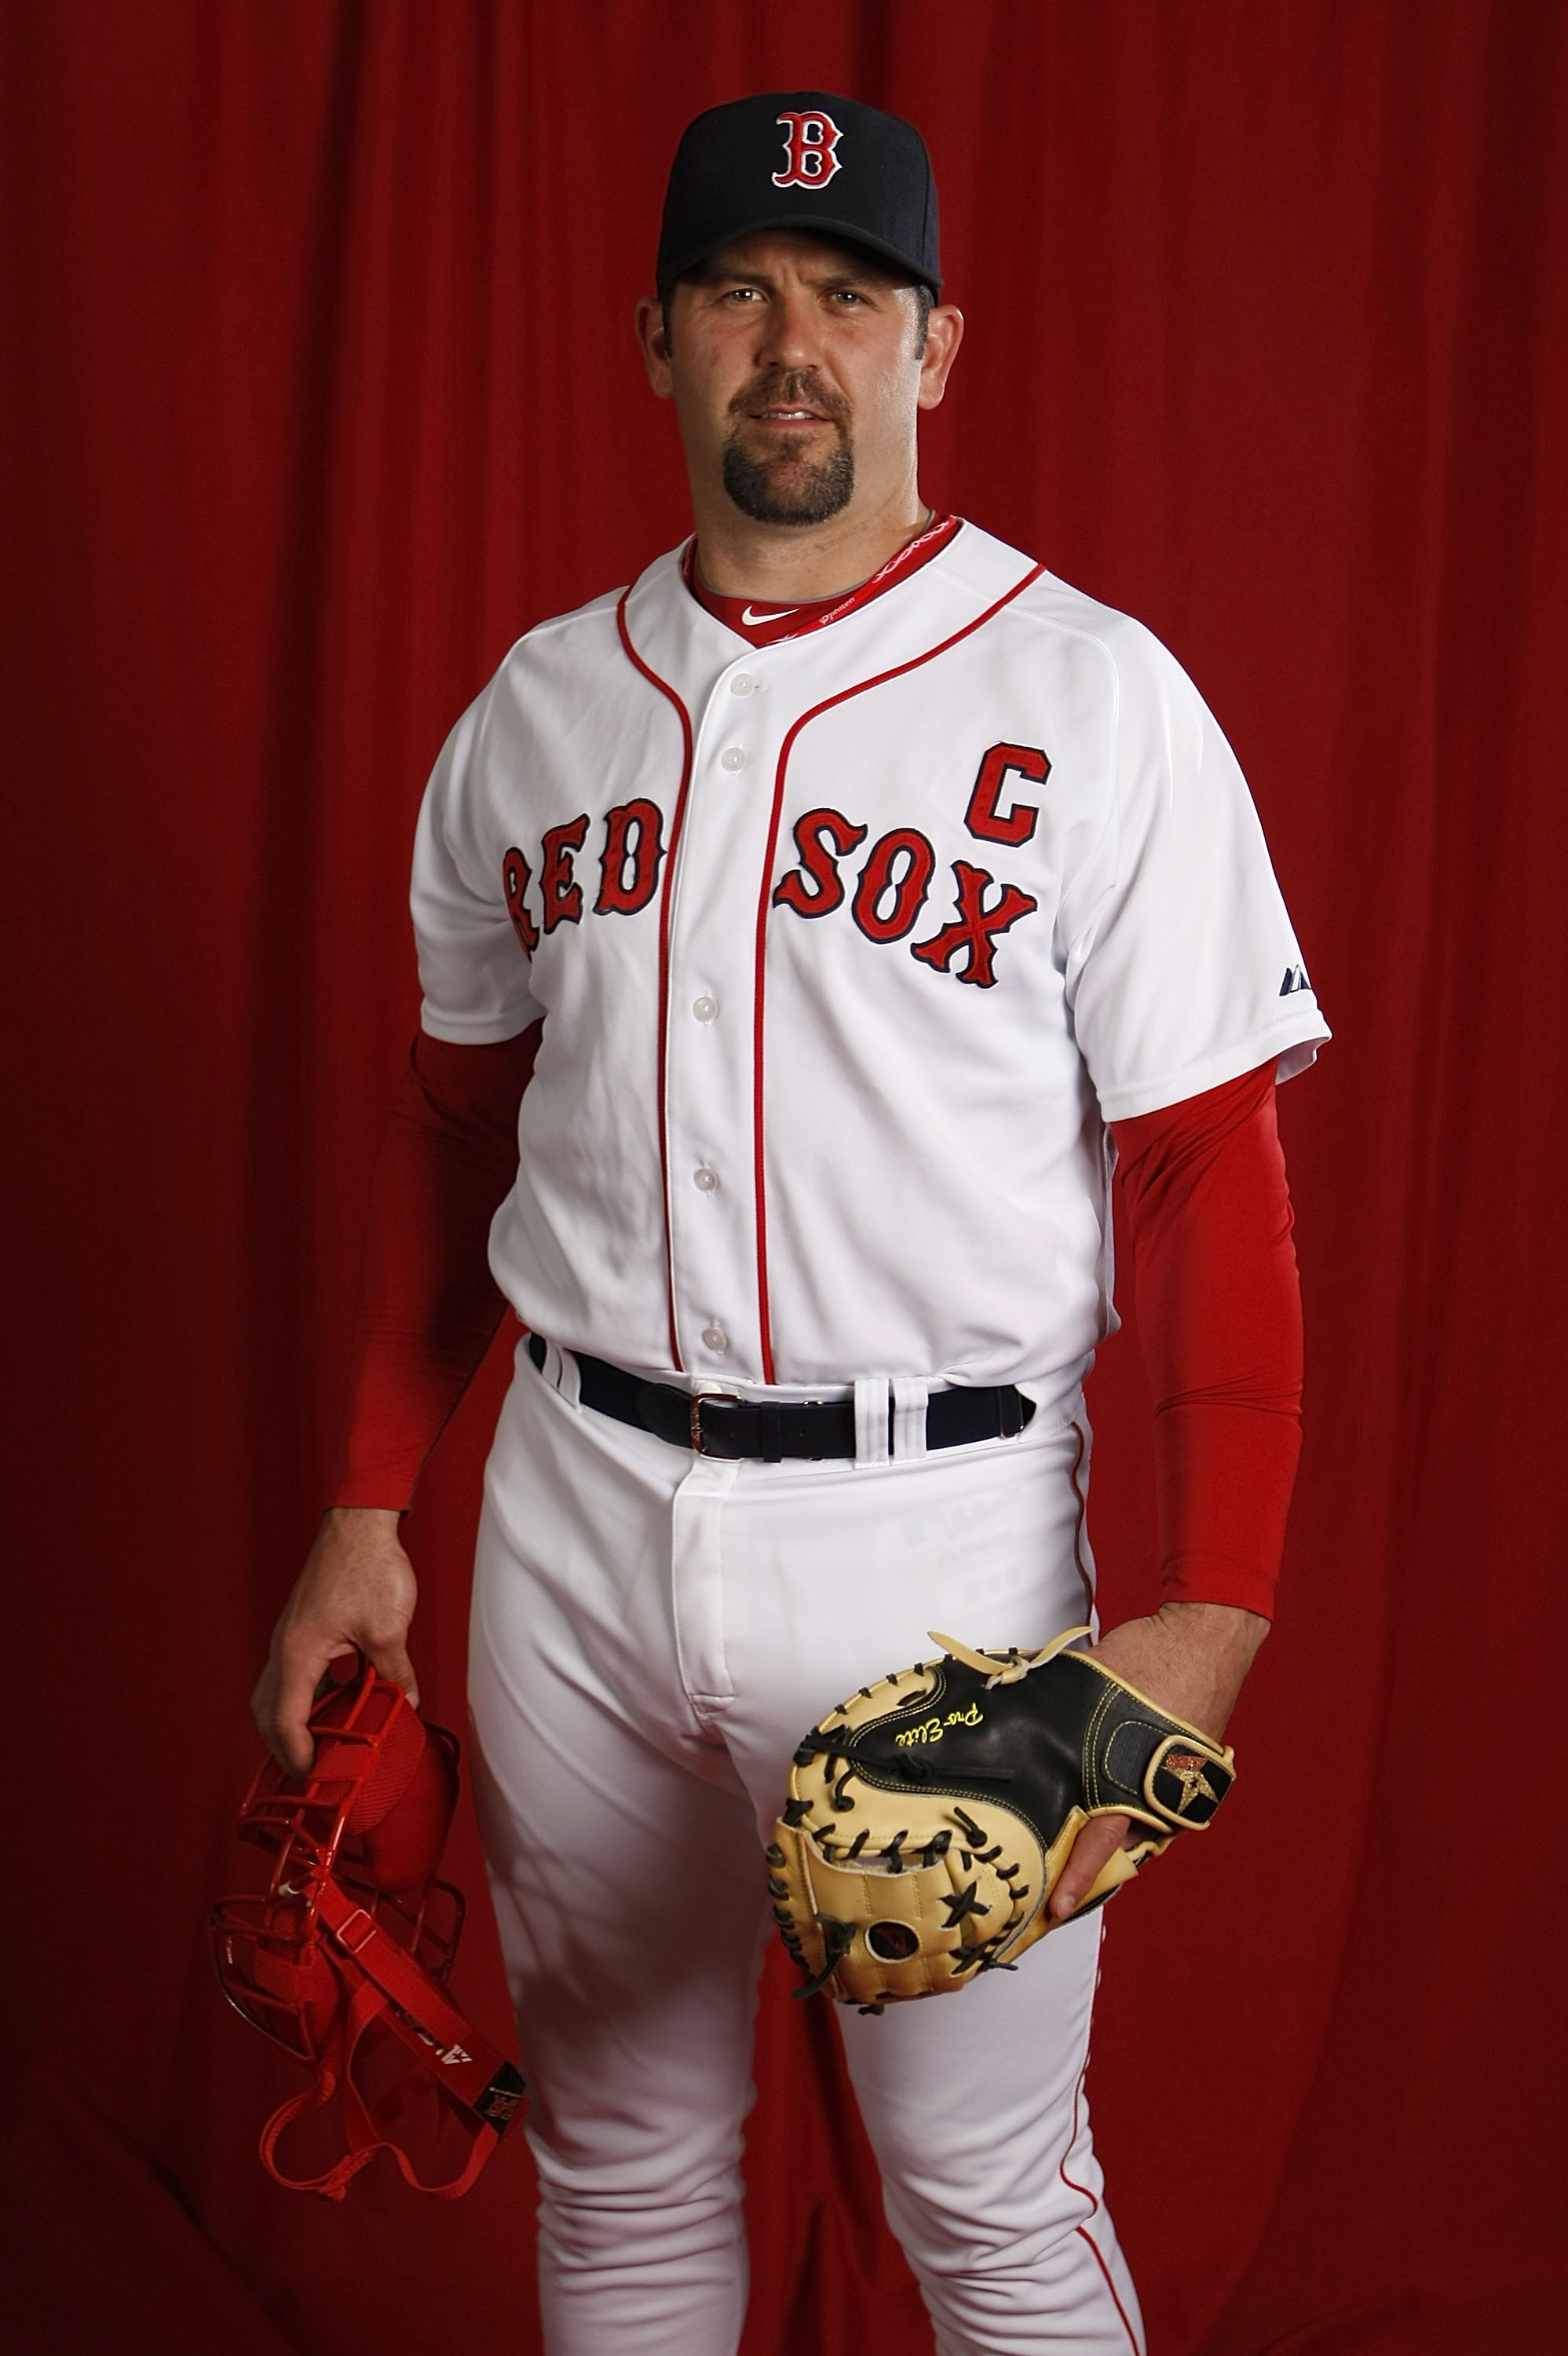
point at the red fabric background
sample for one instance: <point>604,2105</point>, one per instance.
<point>319,387</point>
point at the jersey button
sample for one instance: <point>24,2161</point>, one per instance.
<point>705,1178</point>
<point>742,684</point>
<point>705,1009</point>
<point>715,1337</point>
<point>731,758</point>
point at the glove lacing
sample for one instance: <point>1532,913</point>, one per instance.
<point>1016,1665</point>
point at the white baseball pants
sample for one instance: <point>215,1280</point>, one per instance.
<point>652,1634</point>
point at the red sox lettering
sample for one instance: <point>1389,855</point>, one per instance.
<point>634,848</point>
<point>629,870</point>
<point>973,933</point>
<point>562,895</point>
<point>515,877</point>
<point>814,887</point>
<point>891,890</point>
<point>892,887</point>
<point>893,883</point>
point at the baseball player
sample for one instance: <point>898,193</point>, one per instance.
<point>839,903</point>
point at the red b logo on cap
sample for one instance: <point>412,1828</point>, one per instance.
<point>810,151</point>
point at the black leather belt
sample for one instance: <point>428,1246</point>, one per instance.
<point>714,1424</point>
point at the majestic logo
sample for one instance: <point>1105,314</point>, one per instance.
<point>1294,980</point>
<point>810,151</point>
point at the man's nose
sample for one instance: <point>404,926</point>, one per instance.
<point>791,332</point>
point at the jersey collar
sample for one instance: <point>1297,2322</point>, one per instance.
<point>765,624</point>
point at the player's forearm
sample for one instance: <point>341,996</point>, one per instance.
<point>429,1306</point>
<point>1224,1478</point>
<point>1219,1317</point>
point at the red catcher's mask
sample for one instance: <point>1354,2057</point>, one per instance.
<point>343,1958</point>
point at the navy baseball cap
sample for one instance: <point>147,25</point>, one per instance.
<point>801,159</point>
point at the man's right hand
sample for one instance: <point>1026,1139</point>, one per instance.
<point>357,1592</point>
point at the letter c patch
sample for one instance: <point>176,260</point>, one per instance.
<point>983,817</point>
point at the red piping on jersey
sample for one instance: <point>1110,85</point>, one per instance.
<point>1085,2235</point>
<point>1080,1526</point>
<point>816,712</point>
<point>654,681</point>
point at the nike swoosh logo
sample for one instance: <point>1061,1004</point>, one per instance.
<point>752,618</point>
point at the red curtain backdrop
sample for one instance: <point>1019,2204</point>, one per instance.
<point>319,387</point>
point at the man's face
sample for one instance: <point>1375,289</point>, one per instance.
<point>794,366</point>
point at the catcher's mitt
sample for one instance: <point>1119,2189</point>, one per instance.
<point>930,1816</point>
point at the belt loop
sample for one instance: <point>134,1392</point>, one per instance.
<point>871,1435</point>
<point>910,1395</point>
<point>559,1367</point>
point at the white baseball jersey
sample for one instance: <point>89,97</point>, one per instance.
<point>849,947</point>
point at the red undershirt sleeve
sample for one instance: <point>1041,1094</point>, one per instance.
<point>429,1306</point>
<point>1219,1306</point>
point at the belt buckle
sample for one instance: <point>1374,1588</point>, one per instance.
<point>717,1399</point>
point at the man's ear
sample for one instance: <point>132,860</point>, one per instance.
<point>654,339</point>
<point>944,334</point>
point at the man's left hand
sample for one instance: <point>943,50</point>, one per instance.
<point>1190,1658</point>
